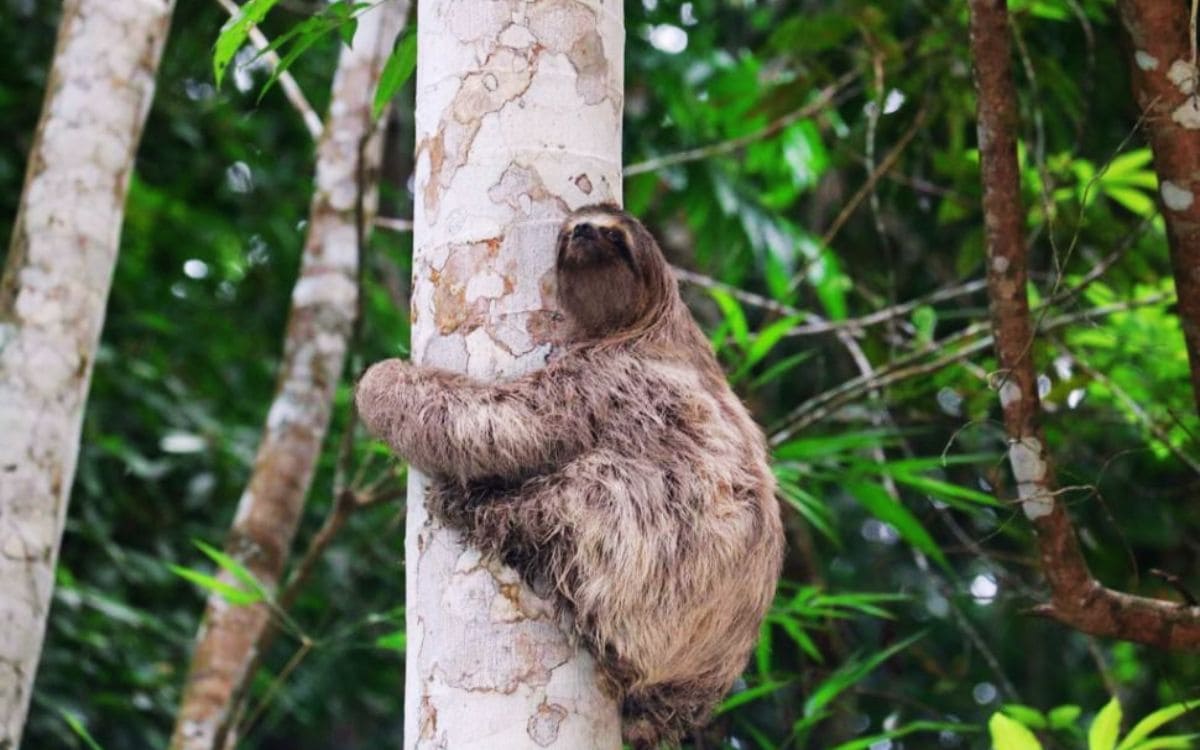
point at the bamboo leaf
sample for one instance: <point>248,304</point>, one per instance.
<point>734,315</point>
<point>231,594</point>
<point>881,505</point>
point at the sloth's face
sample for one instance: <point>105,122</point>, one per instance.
<point>600,279</point>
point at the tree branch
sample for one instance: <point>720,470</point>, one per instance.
<point>291,89</point>
<point>1164,75</point>
<point>1078,600</point>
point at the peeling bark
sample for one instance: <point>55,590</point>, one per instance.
<point>518,120</point>
<point>320,324</point>
<point>52,297</point>
<point>1165,82</point>
<point>1077,599</point>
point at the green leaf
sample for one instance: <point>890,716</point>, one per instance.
<point>734,316</point>
<point>1174,742</point>
<point>948,492</point>
<point>751,694</point>
<point>346,31</point>
<point>808,449</point>
<point>881,505</point>
<point>1030,717</point>
<point>807,505</point>
<point>396,72</point>
<point>1153,721</point>
<point>764,342</point>
<point>1064,717</point>
<point>907,729</point>
<point>780,368</point>
<point>1132,199</point>
<point>850,674</point>
<point>1008,734</point>
<point>232,594</point>
<point>397,640</point>
<point>77,726</point>
<point>1102,735</point>
<point>924,319</point>
<point>234,33</point>
<point>231,566</point>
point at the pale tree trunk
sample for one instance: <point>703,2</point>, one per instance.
<point>518,120</point>
<point>52,297</point>
<point>320,324</point>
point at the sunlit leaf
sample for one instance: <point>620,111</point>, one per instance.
<point>1030,717</point>
<point>231,593</point>
<point>1008,734</point>
<point>1102,735</point>
<point>1151,722</point>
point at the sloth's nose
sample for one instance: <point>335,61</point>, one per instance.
<point>583,231</point>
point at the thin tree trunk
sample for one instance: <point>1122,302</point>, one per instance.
<point>1077,599</point>
<point>1166,87</point>
<point>52,297</point>
<point>518,120</point>
<point>324,304</point>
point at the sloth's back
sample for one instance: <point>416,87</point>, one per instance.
<point>677,550</point>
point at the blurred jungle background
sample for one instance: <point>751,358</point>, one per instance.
<point>812,166</point>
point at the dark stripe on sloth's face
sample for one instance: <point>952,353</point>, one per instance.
<point>620,240</point>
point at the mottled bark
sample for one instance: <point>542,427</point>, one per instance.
<point>1077,599</point>
<point>1165,83</point>
<point>321,320</point>
<point>52,297</point>
<point>518,119</point>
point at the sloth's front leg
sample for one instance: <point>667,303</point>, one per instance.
<point>448,424</point>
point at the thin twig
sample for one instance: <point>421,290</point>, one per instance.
<point>393,224</point>
<point>291,89</point>
<point>889,161</point>
<point>818,407</point>
<point>819,327</point>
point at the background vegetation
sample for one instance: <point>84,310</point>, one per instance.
<point>838,177</point>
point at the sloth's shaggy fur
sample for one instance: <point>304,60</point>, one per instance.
<point>625,479</point>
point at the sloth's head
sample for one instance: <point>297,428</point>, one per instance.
<point>612,277</point>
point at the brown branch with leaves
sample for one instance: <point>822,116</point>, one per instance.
<point>1165,84</point>
<point>1077,599</point>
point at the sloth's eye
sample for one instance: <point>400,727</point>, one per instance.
<point>615,236</point>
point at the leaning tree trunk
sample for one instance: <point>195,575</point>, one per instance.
<point>52,296</point>
<point>518,120</point>
<point>320,324</point>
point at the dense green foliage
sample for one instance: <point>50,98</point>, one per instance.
<point>904,609</point>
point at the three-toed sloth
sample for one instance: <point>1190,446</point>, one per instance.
<point>625,477</point>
